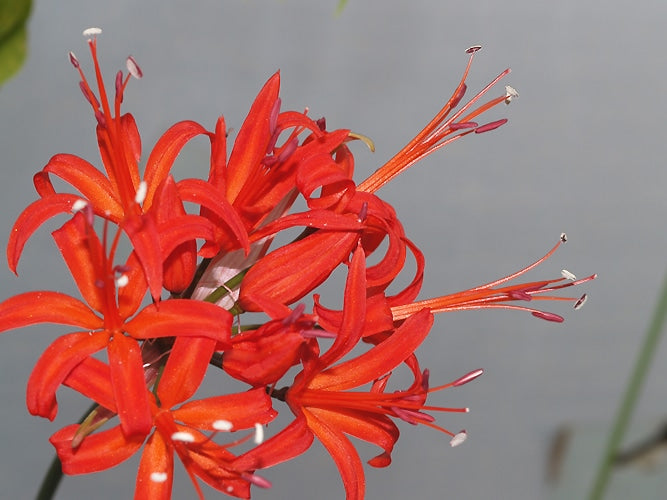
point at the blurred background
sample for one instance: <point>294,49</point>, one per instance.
<point>583,152</point>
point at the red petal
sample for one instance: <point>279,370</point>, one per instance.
<point>242,410</point>
<point>92,378</point>
<point>181,317</point>
<point>253,138</point>
<point>157,458</point>
<point>35,214</point>
<point>185,369</point>
<point>129,386</point>
<point>84,256</point>
<point>97,452</point>
<point>32,308</point>
<point>378,361</point>
<point>93,185</point>
<point>131,295</point>
<point>165,152</point>
<point>143,233</point>
<point>343,453</point>
<point>53,367</point>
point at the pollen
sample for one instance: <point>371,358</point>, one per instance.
<point>568,275</point>
<point>159,477</point>
<point>259,433</point>
<point>458,439</point>
<point>473,49</point>
<point>182,436</point>
<point>222,425</point>
<point>90,32</point>
<point>141,192</point>
<point>79,205</point>
<point>510,93</point>
<point>122,281</point>
<point>580,303</point>
<point>133,68</point>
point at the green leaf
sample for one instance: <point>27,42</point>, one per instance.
<point>13,36</point>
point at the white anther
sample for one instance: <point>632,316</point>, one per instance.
<point>122,280</point>
<point>141,192</point>
<point>510,93</point>
<point>159,477</point>
<point>183,436</point>
<point>90,32</point>
<point>79,205</point>
<point>222,425</point>
<point>259,433</point>
<point>563,237</point>
<point>568,275</point>
<point>580,303</point>
<point>133,68</point>
<point>458,439</point>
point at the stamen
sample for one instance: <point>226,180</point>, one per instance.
<point>548,316</point>
<point>580,303</point>
<point>568,275</point>
<point>490,126</point>
<point>458,438</point>
<point>259,433</point>
<point>79,205</point>
<point>510,93</point>
<point>222,425</point>
<point>563,237</point>
<point>140,196</point>
<point>74,60</point>
<point>473,49</point>
<point>122,281</point>
<point>183,436</point>
<point>90,32</point>
<point>133,68</point>
<point>469,377</point>
<point>159,477</point>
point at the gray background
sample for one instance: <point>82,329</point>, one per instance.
<point>583,153</point>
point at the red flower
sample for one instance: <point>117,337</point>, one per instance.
<point>179,428</point>
<point>117,329</point>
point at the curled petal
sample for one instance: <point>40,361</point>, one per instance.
<point>32,308</point>
<point>97,452</point>
<point>53,367</point>
<point>156,470</point>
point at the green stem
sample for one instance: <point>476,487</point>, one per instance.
<point>630,397</point>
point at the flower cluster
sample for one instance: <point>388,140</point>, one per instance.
<point>153,321</point>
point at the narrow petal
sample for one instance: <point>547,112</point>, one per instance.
<point>156,470</point>
<point>32,308</point>
<point>243,410</point>
<point>185,369</point>
<point>35,214</point>
<point>92,378</point>
<point>129,386</point>
<point>181,317</point>
<point>97,452</point>
<point>165,152</point>
<point>53,367</point>
<point>88,180</point>
<point>343,453</point>
<point>143,233</point>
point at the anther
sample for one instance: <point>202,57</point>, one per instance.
<point>159,477</point>
<point>458,438</point>
<point>73,60</point>
<point>259,433</point>
<point>490,126</point>
<point>548,316</point>
<point>79,205</point>
<point>568,275</point>
<point>473,49</point>
<point>140,196</point>
<point>510,93</point>
<point>469,377</point>
<point>580,303</point>
<point>222,425</point>
<point>183,436</point>
<point>133,68</point>
<point>563,237</point>
<point>90,32</point>
<point>122,280</point>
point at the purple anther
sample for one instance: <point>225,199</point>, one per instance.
<point>460,125</point>
<point>119,85</point>
<point>519,295</point>
<point>288,149</point>
<point>90,97</point>
<point>548,316</point>
<point>73,60</point>
<point>363,213</point>
<point>294,315</point>
<point>468,377</point>
<point>322,124</point>
<point>490,126</point>
<point>580,303</point>
<point>456,98</point>
<point>101,120</point>
<point>273,116</point>
<point>473,49</point>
